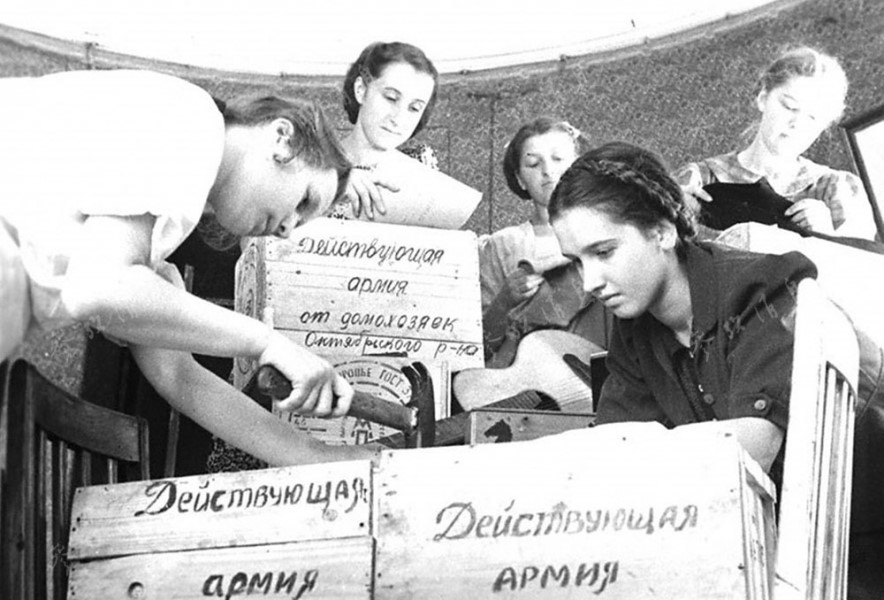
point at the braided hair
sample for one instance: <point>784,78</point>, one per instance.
<point>629,184</point>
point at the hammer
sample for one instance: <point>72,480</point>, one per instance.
<point>416,419</point>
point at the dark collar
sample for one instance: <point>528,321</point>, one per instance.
<point>703,282</point>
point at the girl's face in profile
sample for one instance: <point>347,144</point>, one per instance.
<point>264,197</point>
<point>543,159</point>
<point>794,114</point>
<point>298,194</point>
<point>392,104</point>
<point>625,268</point>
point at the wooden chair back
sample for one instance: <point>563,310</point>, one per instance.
<point>56,442</point>
<point>814,515</point>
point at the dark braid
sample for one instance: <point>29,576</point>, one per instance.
<point>671,208</point>
<point>628,183</point>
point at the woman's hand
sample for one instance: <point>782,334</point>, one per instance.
<point>690,180</point>
<point>364,194</point>
<point>813,215</point>
<point>522,285</point>
<point>223,410</point>
<point>693,189</point>
<point>317,391</point>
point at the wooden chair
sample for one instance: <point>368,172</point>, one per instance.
<point>814,519</point>
<point>56,442</point>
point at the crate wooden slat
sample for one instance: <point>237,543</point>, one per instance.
<point>322,569</point>
<point>627,511</point>
<point>270,506</point>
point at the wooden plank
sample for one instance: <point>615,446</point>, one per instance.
<point>759,530</point>
<point>356,288</point>
<point>331,569</point>
<point>511,425</point>
<point>629,511</point>
<point>244,508</point>
<point>456,352</point>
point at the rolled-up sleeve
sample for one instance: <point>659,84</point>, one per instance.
<point>844,194</point>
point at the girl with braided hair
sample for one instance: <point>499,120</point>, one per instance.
<point>701,332</point>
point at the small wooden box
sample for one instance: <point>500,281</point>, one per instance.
<point>352,288</point>
<point>622,511</point>
<point>494,426</point>
<point>382,377</point>
<point>227,533</point>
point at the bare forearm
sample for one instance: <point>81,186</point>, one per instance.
<point>221,409</point>
<point>760,438</point>
<point>136,305</point>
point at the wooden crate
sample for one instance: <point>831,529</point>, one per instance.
<point>494,426</point>
<point>623,511</point>
<point>352,288</point>
<point>191,537</point>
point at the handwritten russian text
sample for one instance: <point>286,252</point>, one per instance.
<point>164,495</point>
<point>384,254</point>
<point>240,584</point>
<point>461,520</point>
<point>596,574</point>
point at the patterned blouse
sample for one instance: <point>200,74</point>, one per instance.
<point>842,191</point>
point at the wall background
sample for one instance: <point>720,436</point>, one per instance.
<point>686,96</point>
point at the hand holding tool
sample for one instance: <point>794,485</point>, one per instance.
<point>416,419</point>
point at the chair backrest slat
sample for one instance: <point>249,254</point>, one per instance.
<point>53,439</point>
<point>76,421</point>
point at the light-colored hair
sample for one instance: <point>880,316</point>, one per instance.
<point>804,61</point>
